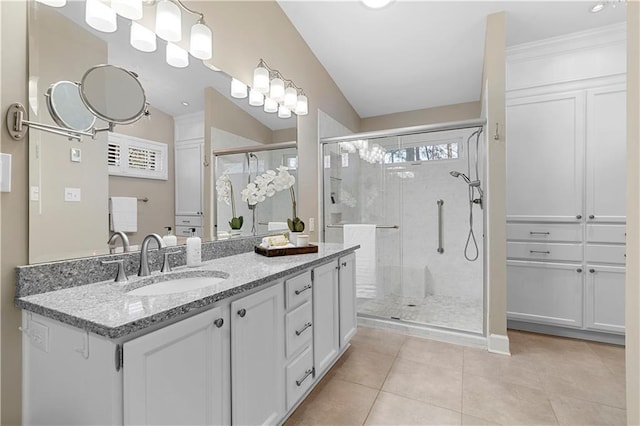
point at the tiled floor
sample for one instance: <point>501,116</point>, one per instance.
<point>457,313</point>
<point>387,378</point>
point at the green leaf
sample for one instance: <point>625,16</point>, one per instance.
<point>236,222</point>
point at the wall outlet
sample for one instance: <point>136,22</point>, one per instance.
<point>39,334</point>
<point>72,194</point>
<point>312,224</point>
<point>76,155</point>
<point>35,193</point>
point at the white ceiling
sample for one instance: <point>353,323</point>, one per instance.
<point>420,54</point>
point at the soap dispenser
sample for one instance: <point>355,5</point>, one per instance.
<point>194,249</point>
<point>170,239</point>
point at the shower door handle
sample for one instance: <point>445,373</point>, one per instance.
<point>440,230</point>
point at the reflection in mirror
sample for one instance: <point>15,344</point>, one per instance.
<point>66,106</point>
<point>63,47</point>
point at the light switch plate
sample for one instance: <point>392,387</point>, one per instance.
<point>35,193</point>
<point>76,155</point>
<point>72,194</point>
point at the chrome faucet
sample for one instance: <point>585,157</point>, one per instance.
<point>112,242</point>
<point>143,271</point>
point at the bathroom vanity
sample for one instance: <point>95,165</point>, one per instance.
<point>245,349</point>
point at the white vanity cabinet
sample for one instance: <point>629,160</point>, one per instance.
<point>347,296</point>
<point>326,316</point>
<point>180,373</point>
<point>257,353</point>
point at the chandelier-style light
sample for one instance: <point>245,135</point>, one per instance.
<point>100,16</point>
<point>282,95</point>
<point>238,89</point>
<point>130,9</point>
<point>168,21</point>
<point>142,38</point>
<point>177,56</point>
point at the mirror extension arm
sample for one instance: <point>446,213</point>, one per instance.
<point>17,125</point>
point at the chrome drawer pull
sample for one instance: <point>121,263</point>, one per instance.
<point>219,322</point>
<point>306,374</point>
<point>592,271</point>
<point>307,325</point>
<point>539,233</point>
<point>303,289</point>
<point>539,251</point>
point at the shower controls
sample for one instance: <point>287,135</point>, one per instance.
<point>578,216</point>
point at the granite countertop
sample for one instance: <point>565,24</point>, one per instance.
<point>105,309</point>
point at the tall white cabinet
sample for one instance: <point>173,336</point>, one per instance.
<point>189,160</point>
<point>566,144</point>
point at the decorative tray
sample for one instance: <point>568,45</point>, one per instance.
<point>287,251</point>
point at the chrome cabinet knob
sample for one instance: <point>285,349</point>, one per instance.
<point>592,271</point>
<point>579,270</point>
<point>219,322</point>
<point>344,264</point>
<point>578,216</point>
<point>242,312</point>
<point>591,216</point>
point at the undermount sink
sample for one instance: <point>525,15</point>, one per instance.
<point>177,282</point>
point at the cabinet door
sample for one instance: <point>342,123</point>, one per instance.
<point>180,373</point>
<point>606,154</point>
<point>257,350</point>
<point>545,137</point>
<point>189,173</point>
<point>605,298</point>
<point>348,320</point>
<point>326,314</point>
<point>547,293</point>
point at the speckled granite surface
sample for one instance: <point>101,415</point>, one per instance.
<point>105,308</point>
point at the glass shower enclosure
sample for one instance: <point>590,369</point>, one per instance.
<point>413,260</point>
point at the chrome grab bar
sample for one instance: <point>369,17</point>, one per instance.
<point>377,226</point>
<point>440,229</point>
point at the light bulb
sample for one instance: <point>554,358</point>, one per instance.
<point>53,3</point>
<point>277,89</point>
<point>177,56</point>
<point>130,9</point>
<point>261,80</point>
<point>270,105</point>
<point>256,98</point>
<point>168,21</point>
<point>238,89</point>
<point>290,97</point>
<point>142,38</point>
<point>100,16</point>
<point>302,106</point>
<point>200,45</point>
<point>284,112</point>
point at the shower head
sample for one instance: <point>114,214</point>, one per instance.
<point>458,174</point>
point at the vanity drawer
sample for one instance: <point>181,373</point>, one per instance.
<point>300,374</point>
<point>190,221</point>
<point>185,231</point>
<point>299,328</point>
<point>599,253</point>
<point>606,234</point>
<point>544,231</point>
<point>299,290</point>
<point>545,251</point>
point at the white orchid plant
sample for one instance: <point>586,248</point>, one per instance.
<point>224,188</point>
<point>266,185</point>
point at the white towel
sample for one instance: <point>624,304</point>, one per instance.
<point>366,277</point>
<point>277,226</point>
<point>124,214</point>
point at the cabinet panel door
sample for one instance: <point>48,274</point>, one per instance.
<point>188,165</point>
<point>257,350</point>
<point>348,313</point>
<point>606,154</point>
<point>326,316</point>
<point>179,374</point>
<point>545,157</point>
<point>605,298</point>
<point>547,293</point>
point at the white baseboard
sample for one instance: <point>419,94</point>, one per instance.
<point>498,344</point>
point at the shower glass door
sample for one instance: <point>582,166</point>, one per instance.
<point>398,187</point>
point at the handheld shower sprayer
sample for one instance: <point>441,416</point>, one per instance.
<point>456,174</point>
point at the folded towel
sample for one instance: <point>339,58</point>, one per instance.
<point>277,226</point>
<point>124,214</point>
<point>366,278</point>
<point>277,241</point>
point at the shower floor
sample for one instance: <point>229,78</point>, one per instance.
<point>458,313</point>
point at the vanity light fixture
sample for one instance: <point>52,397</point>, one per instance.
<point>168,21</point>
<point>255,98</point>
<point>130,9</point>
<point>238,89</point>
<point>597,7</point>
<point>142,38</point>
<point>376,4</point>
<point>100,16</point>
<point>177,56</point>
<point>53,3</point>
<point>284,112</point>
<point>281,91</point>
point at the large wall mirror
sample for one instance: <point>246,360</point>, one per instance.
<point>70,180</point>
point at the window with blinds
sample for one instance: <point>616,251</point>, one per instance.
<point>135,157</point>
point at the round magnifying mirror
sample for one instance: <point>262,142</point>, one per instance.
<point>113,94</point>
<point>66,107</point>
